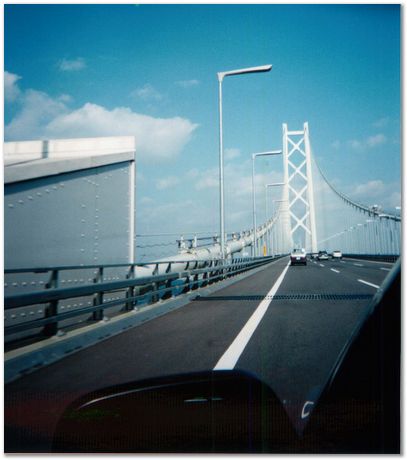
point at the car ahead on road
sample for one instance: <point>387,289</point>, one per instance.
<point>337,254</point>
<point>298,257</point>
<point>322,255</point>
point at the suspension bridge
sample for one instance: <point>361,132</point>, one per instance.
<point>82,312</point>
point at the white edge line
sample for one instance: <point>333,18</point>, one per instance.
<point>369,284</point>
<point>232,354</point>
<point>336,271</point>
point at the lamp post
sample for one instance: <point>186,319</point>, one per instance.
<point>276,184</point>
<point>254,156</point>
<point>278,223</point>
<point>221,76</point>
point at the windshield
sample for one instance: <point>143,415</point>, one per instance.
<point>199,197</point>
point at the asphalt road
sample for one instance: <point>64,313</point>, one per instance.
<point>291,343</point>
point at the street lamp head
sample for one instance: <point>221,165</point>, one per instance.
<point>264,154</point>
<point>258,69</point>
<point>276,184</point>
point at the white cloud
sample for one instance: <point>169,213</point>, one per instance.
<point>11,89</point>
<point>372,188</point>
<point>146,200</point>
<point>187,83</point>
<point>37,111</point>
<point>381,123</point>
<point>192,173</point>
<point>336,144</point>
<point>208,179</point>
<point>355,144</point>
<point>368,143</point>
<point>378,192</point>
<point>232,153</point>
<point>394,199</point>
<point>147,93</point>
<point>65,98</point>
<point>167,182</point>
<point>69,65</point>
<point>372,141</point>
<point>43,117</point>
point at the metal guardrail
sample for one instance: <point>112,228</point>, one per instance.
<point>140,291</point>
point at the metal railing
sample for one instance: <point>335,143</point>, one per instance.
<point>139,291</point>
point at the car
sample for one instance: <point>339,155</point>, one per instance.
<point>337,254</point>
<point>314,255</point>
<point>298,256</point>
<point>322,255</point>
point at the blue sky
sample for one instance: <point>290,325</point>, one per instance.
<point>150,70</point>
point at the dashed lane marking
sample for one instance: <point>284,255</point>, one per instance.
<point>336,271</point>
<point>358,265</point>
<point>233,353</point>
<point>385,269</point>
<point>321,265</point>
<point>369,284</point>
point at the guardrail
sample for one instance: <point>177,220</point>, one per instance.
<point>139,291</point>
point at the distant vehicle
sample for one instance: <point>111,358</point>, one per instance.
<point>313,255</point>
<point>298,256</point>
<point>337,254</point>
<point>322,255</point>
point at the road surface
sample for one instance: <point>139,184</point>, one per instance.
<point>300,318</point>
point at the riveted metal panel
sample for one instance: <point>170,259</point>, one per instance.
<point>80,217</point>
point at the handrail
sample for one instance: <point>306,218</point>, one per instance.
<point>151,288</point>
<point>129,264</point>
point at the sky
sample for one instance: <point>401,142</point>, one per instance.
<point>150,71</point>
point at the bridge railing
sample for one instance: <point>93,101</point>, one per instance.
<point>44,312</point>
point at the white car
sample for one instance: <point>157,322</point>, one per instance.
<point>337,255</point>
<point>298,256</point>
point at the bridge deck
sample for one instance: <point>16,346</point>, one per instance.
<point>292,349</point>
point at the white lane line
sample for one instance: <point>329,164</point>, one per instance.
<point>342,262</point>
<point>385,269</point>
<point>232,354</point>
<point>358,265</point>
<point>321,265</point>
<point>369,284</point>
<point>336,271</point>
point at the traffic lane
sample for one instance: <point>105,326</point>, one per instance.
<point>323,278</point>
<point>356,270</point>
<point>298,341</point>
<point>189,339</point>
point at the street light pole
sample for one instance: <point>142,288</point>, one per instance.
<point>221,76</point>
<point>254,156</point>
<point>276,184</point>
<point>279,232</point>
<point>221,185</point>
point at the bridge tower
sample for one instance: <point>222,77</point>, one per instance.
<point>299,190</point>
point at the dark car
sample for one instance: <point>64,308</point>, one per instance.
<point>322,255</point>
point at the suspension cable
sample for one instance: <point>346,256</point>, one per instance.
<point>361,207</point>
